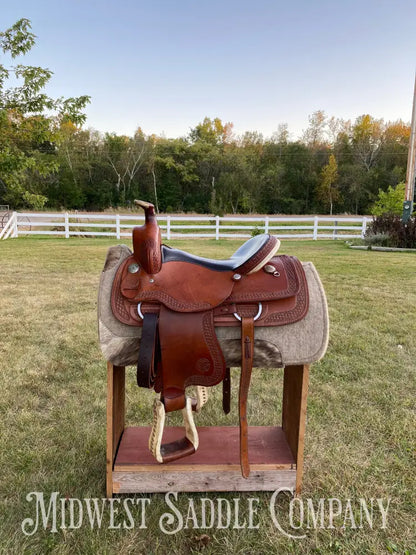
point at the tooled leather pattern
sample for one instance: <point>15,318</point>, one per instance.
<point>284,263</point>
<point>125,310</point>
<point>215,351</point>
<point>150,245</point>
<point>302,303</point>
<point>173,303</point>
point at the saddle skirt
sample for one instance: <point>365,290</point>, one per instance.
<point>282,290</point>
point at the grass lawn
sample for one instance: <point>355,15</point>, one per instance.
<point>360,436</point>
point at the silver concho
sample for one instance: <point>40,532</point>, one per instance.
<point>270,269</point>
<point>133,268</point>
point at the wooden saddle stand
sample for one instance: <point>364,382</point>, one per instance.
<point>175,306</point>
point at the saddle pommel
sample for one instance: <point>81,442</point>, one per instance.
<point>148,207</point>
<point>147,240</point>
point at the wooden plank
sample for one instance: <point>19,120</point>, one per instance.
<point>199,468</point>
<point>219,448</point>
<point>153,482</point>
<point>115,417</point>
<point>295,392</point>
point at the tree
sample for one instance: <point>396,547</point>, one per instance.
<point>327,190</point>
<point>314,136</point>
<point>29,120</point>
<point>126,155</point>
<point>367,139</point>
<point>390,201</point>
<point>212,131</point>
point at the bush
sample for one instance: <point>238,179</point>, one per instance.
<point>378,240</point>
<point>395,232</point>
<point>256,231</point>
<point>390,201</point>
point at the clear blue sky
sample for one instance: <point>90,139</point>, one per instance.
<point>165,65</point>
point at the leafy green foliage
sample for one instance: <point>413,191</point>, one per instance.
<point>327,189</point>
<point>390,201</point>
<point>28,131</point>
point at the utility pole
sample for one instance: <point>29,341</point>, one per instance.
<point>411,162</point>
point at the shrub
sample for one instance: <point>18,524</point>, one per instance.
<point>378,239</point>
<point>400,234</point>
<point>390,201</point>
<point>256,231</point>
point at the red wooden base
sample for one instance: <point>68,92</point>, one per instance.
<point>275,453</point>
<point>218,447</point>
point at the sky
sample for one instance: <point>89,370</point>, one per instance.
<point>164,65</point>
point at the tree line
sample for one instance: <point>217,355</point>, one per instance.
<point>52,161</point>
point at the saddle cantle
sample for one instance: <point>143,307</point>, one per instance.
<point>178,299</point>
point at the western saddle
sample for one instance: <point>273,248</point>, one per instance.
<point>178,299</point>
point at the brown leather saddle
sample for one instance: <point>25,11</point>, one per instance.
<point>178,299</point>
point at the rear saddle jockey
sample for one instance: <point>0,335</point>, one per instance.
<point>178,299</point>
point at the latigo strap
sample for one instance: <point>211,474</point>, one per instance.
<point>247,348</point>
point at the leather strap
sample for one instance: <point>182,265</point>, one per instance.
<point>226,392</point>
<point>149,353</point>
<point>196,361</point>
<point>247,348</point>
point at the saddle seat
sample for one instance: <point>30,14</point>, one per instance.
<point>150,254</point>
<point>255,252</point>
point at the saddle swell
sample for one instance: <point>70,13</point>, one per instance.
<point>179,298</point>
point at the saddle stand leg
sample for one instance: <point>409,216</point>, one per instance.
<point>115,417</point>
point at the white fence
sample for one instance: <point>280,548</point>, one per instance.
<point>173,227</point>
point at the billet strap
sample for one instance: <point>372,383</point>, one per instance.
<point>247,348</point>
<point>149,352</point>
<point>183,447</point>
<point>226,392</point>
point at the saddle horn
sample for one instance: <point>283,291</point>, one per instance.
<point>147,240</point>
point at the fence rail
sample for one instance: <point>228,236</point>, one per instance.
<point>215,227</point>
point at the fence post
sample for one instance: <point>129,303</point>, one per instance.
<point>334,235</point>
<point>118,226</point>
<point>217,228</point>
<point>266,224</point>
<point>364,227</point>
<point>15,226</point>
<point>168,227</point>
<point>66,225</point>
<point>315,228</point>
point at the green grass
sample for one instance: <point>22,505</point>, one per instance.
<point>360,437</point>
